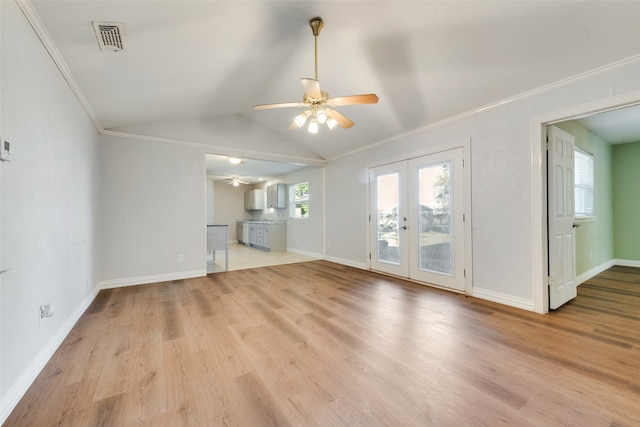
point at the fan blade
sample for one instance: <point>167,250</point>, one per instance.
<point>312,88</point>
<point>279,105</point>
<point>340,118</point>
<point>370,98</point>
<point>294,125</point>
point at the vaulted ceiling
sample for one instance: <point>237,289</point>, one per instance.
<point>191,66</point>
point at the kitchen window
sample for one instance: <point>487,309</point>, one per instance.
<point>299,195</point>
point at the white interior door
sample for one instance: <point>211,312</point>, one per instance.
<point>437,220</point>
<point>560,192</point>
<point>417,222</point>
<point>388,219</point>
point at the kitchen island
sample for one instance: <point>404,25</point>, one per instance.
<point>218,240</point>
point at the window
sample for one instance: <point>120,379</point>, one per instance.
<point>299,195</point>
<point>583,171</point>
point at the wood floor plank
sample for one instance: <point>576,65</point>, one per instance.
<point>318,343</point>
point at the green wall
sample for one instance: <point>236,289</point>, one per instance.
<point>626,200</point>
<point>595,238</point>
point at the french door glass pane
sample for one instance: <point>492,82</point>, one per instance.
<point>435,218</point>
<point>387,218</point>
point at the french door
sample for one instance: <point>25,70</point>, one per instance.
<point>417,219</point>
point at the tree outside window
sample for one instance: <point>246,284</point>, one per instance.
<point>300,197</point>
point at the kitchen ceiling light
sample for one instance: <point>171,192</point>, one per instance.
<point>235,160</point>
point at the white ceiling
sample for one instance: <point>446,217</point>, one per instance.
<point>618,126</point>
<point>212,61</point>
<point>251,171</point>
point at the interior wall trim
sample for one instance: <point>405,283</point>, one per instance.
<point>632,60</point>
<point>49,45</point>
<point>348,262</point>
<point>305,253</point>
<point>44,36</point>
<point>626,262</point>
<point>581,278</point>
<point>499,297</point>
<point>221,150</point>
<point>156,278</point>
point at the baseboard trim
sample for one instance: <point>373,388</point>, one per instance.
<point>348,262</point>
<point>305,253</point>
<point>625,262</point>
<point>156,278</point>
<point>581,278</point>
<point>499,297</point>
<point>17,390</point>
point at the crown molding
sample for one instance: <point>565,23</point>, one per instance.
<point>45,38</point>
<point>43,34</point>
<point>221,150</point>
<point>614,66</point>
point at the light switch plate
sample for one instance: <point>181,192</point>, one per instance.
<point>5,150</point>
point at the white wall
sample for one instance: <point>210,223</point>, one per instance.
<point>503,170</point>
<point>153,198</point>
<point>49,215</point>
<point>209,200</point>
<point>306,235</point>
<point>229,205</point>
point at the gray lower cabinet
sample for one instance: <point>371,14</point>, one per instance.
<point>275,237</point>
<point>267,236</point>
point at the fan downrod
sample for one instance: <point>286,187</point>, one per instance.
<point>316,25</point>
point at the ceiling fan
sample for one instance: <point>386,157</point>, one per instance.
<point>319,107</point>
<point>236,180</point>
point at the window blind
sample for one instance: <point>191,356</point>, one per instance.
<point>583,170</point>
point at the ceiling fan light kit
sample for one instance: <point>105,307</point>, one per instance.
<point>318,103</point>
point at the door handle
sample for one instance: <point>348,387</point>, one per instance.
<point>576,225</point>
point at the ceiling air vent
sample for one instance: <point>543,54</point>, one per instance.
<point>110,36</point>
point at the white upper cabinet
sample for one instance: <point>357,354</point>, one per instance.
<point>254,200</point>
<point>277,196</point>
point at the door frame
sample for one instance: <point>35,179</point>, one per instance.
<point>465,145</point>
<point>539,206</point>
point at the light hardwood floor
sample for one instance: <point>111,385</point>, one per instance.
<point>320,344</point>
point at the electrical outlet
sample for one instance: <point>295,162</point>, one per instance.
<point>5,150</point>
<point>180,257</point>
<point>46,310</point>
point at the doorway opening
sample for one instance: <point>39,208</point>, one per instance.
<point>545,268</point>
